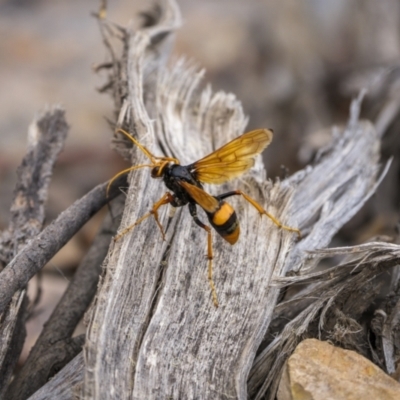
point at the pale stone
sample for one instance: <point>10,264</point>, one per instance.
<point>318,370</point>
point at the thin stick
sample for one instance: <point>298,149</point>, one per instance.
<point>44,246</point>
<point>64,319</point>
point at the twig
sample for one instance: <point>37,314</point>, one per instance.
<point>46,138</point>
<point>43,247</point>
<point>67,314</point>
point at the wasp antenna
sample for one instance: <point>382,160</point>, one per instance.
<point>125,171</point>
<point>146,152</point>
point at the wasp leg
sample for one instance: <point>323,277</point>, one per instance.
<point>193,213</point>
<point>259,209</point>
<point>166,199</point>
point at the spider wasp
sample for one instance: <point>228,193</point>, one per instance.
<point>185,183</point>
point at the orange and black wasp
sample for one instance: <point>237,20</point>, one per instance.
<point>185,183</point>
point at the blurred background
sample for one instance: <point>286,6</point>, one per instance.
<point>294,65</point>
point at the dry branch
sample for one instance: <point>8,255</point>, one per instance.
<point>43,247</point>
<point>46,138</point>
<point>32,250</point>
<point>64,319</point>
<point>66,385</point>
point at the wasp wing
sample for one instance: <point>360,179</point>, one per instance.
<point>232,159</point>
<point>207,202</point>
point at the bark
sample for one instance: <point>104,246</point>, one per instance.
<point>45,359</point>
<point>66,385</point>
<point>46,138</point>
<point>44,246</point>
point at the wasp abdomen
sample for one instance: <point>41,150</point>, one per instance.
<point>225,222</point>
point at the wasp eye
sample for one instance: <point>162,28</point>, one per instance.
<point>155,172</point>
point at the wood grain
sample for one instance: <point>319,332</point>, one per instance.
<point>154,332</point>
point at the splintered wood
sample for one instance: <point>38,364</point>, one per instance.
<point>153,331</point>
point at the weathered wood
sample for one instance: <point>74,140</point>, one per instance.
<point>44,246</point>
<point>154,332</point>
<point>66,385</point>
<point>46,137</point>
<point>339,296</point>
<point>43,358</point>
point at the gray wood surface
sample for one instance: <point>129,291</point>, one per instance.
<point>66,385</point>
<point>46,137</point>
<point>152,329</point>
<point>154,332</point>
